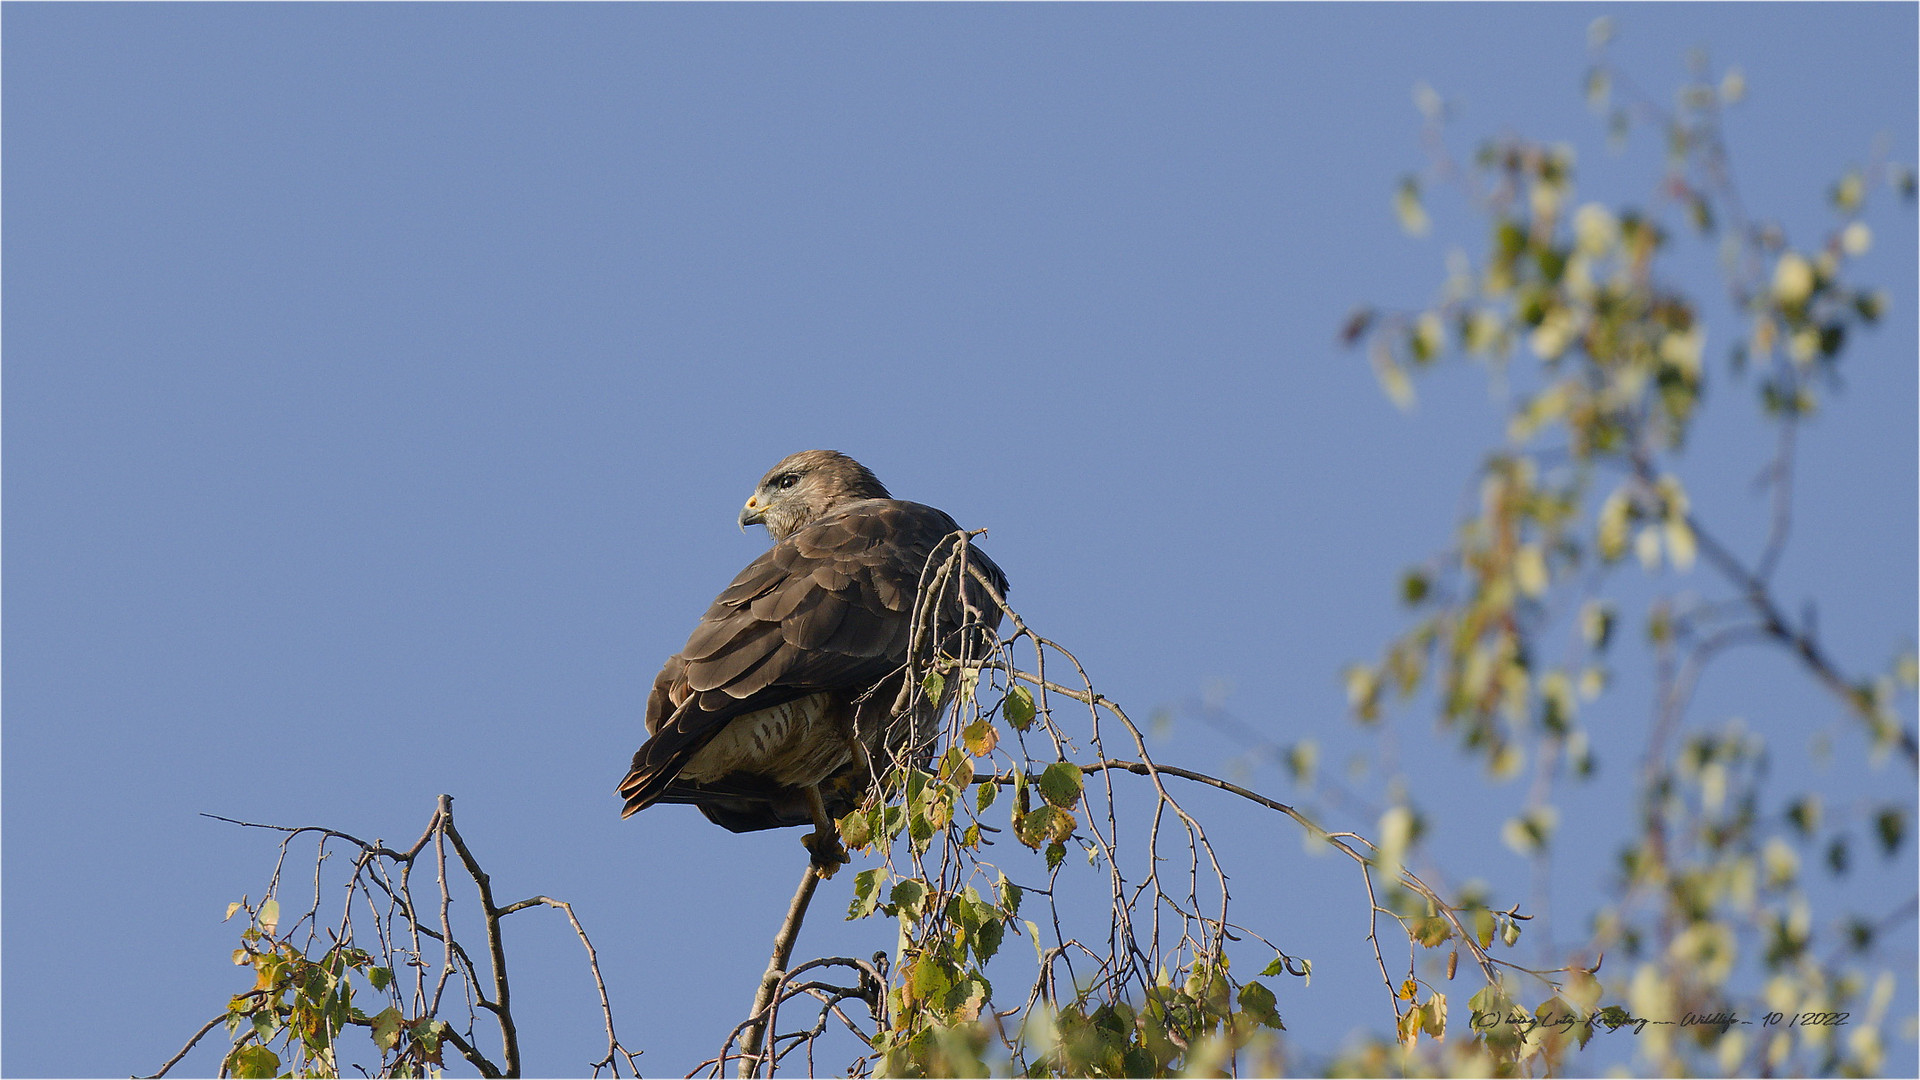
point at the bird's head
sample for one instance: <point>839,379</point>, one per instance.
<point>805,486</point>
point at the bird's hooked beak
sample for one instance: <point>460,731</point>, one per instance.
<point>753,513</point>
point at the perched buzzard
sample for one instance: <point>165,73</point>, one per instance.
<point>779,711</point>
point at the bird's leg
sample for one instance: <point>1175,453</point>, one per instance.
<point>824,841</point>
<point>862,759</point>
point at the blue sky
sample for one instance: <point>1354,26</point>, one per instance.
<point>383,381</point>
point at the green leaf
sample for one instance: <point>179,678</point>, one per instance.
<point>966,998</point>
<point>1047,824</point>
<point>1034,828</point>
<point>1414,587</point>
<point>1483,926</point>
<point>380,977</point>
<point>1431,930</point>
<point>908,896</point>
<point>856,829</point>
<point>985,796</point>
<point>955,770</point>
<point>1891,826</point>
<point>1056,852</point>
<point>270,917</point>
<point>1018,708</point>
<point>934,684</point>
<point>866,892</point>
<point>1010,895</point>
<point>1258,1002</point>
<point>1061,783</point>
<point>427,1033</point>
<point>386,1029</point>
<point>987,941</point>
<point>1491,1002</point>
<point>929,979</point>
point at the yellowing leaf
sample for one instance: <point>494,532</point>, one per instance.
<point>1406,205</point>
<point>1436,1020</point>
<point>1792,279</point>
<point>1393,378</point>
<point>1515,835</point>
<point>1733,86</point>
<point>1681,547</point>
<point>386,1029</point>
<point>980,737</point>
<point>1429,337</point>
<point>1507,761</point>
<point>253,1061</point>
<point>1856,239</point>
<point>1595,229</point>
<point>1530,570</point>
<point>1646,546</point>
<point>1614,521</point>
<point>1553,335</point>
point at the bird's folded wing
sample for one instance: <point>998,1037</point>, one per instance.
<point>828,608</point>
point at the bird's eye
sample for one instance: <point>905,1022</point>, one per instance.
<point>785,481</point>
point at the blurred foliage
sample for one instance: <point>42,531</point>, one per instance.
<point>1018,828</point>
<point>1576,311</point>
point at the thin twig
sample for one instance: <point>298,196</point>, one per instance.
<point>600,984</point>
<point>502,1004</point>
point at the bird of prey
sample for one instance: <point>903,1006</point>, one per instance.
<point>780,709</point>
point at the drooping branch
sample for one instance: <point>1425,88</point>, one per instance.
<point>614,1047</point>
<point>371,878</point>
<point>1336,840</point>
<point>1772,624</point>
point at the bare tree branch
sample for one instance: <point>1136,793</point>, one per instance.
<point>753,1040</point>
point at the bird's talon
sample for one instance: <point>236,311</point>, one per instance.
<point>828,855</point>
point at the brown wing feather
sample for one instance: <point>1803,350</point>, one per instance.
<point>826,608</point>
